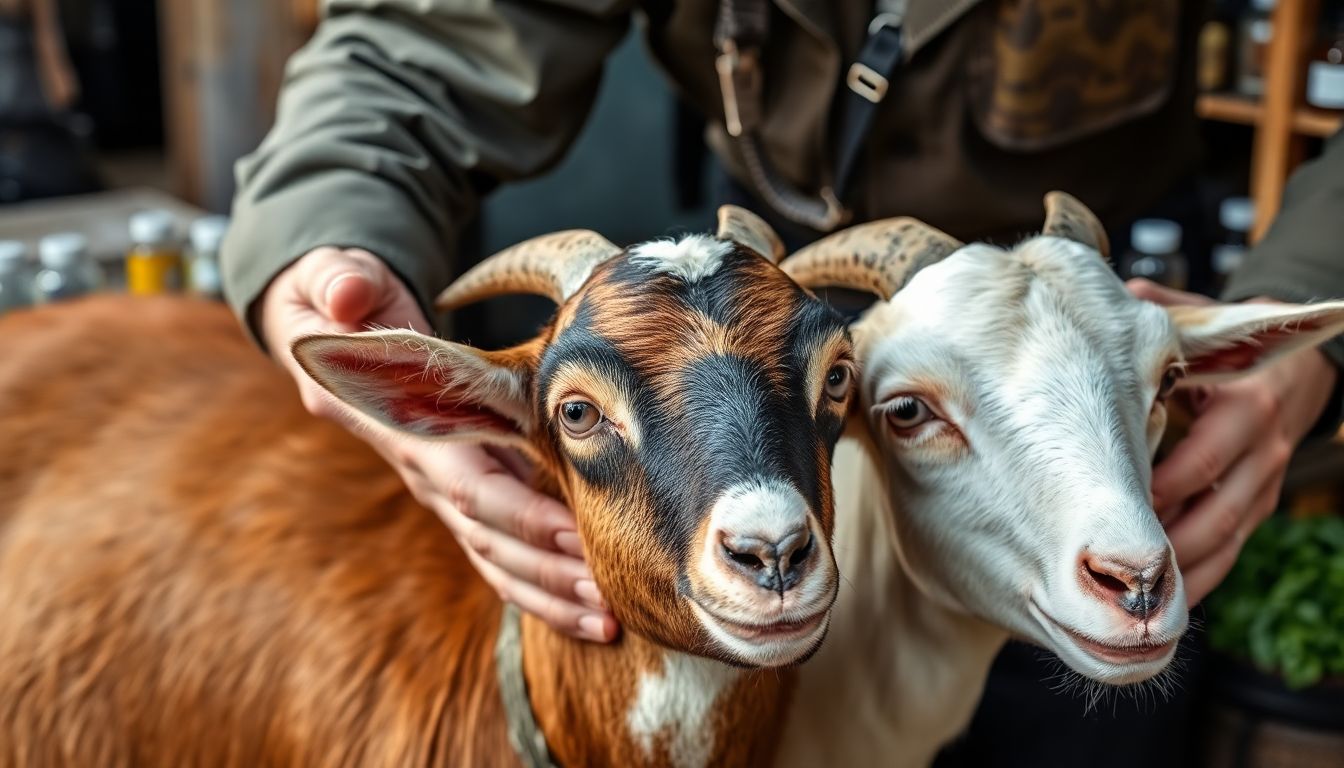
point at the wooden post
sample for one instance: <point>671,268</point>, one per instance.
<point>1278,147</point>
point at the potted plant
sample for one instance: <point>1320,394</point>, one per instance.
<point>1276,626</point>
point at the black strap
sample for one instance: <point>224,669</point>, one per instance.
<point>866,86</point>
<point>739,34</point>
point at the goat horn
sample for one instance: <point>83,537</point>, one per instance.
<point>553,265</point>
<point>1067,217</point>
<point>879,256</point>
<point>746,228</point>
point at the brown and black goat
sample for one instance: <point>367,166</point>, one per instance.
<point>194,571</point>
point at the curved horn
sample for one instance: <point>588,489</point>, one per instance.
<point>1067,217</point>
<point>746,228</point>
<point>879,256</point>
<point>553,265</point>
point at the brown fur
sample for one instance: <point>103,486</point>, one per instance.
<point>197,572</point>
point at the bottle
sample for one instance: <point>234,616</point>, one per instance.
<point>66,270</point>
<point>1155,253</point>
<point>154,264</point>
<point>1236,216</point>
<point>15,282</point>
<point>1253,34</point>
<point>1325,75</point>
<point>1215,42</point>
<point>207,233</point>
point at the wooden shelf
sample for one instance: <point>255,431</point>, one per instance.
<point>1310,121</point>
<point>1226,108</point>
<point>1240,110</point>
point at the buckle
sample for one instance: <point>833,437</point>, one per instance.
<point>866,82</point>
<point>740,83</point>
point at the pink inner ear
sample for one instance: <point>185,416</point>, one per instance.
<point>410,396</point>
<point>1244,354</point>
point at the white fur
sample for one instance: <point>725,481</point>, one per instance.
<point>691,258</point>
<point>673,706</point>
<point>766,509</point>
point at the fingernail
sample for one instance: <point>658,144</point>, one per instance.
<point>586,589</point>
<point>331,287</point>
<point>568,542</point>
<point>593,627</point>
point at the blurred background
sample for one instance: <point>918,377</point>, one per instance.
<point>120,122</point>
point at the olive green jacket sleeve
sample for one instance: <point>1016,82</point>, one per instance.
<point>397,115</point>
<point>1301,258</point>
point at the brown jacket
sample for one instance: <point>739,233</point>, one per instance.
<point>399,114</point>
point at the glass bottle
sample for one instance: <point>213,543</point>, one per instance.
<point>1253,35</point>
<point>1155,253</point>
<point>207,233</point>
<point>66,271</point>
<point>1325,74</point>
<point>154,263</point>
<point>1236,217</point>
<point>15,280</point>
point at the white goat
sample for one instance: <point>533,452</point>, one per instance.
<point>1013,400</point>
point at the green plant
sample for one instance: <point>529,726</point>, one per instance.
<point>1282,606</point>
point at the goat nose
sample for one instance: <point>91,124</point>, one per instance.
<point>1140,588</point>
<point>774,565</point>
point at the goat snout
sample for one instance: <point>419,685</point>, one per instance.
<point>1141,587</point>
<point>777,565</point>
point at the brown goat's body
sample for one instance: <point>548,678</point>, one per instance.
<point>194,571</point>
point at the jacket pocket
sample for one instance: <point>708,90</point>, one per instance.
<point>1042,73</point>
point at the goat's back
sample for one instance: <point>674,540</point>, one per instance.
<point>195,571</point>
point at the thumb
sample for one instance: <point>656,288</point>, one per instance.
<point>346,286</point>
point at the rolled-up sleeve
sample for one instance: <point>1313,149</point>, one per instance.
<point>398,115</point>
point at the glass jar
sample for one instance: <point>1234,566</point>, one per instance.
<point>66,271</point>
<point>1155,254</point>
<point>154,263</point>
<point>1236,217</point>
<point>207,233</point>
<point>1325,74</point>
<point>1253,35</point>
<point>16,289</point>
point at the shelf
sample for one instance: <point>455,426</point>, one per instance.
<point>1241,110</point>
<point>1225,108</point>
<point>1309,121</point>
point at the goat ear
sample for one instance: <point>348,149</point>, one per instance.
<point>423,386</point>
<point>1226,340</point>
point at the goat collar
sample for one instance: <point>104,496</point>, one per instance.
<point>524,733</point>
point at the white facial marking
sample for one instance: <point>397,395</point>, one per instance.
<point>691,258</point>
<point>677,703</point>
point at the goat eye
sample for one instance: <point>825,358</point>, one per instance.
<point>907,412</point>
<point>838,380</point>
<point>1170,377</point>
<point>579,417</point>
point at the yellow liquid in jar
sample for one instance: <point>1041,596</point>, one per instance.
<point>152,271</point>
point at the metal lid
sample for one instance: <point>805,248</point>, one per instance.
<point>1156,236</point>
<point>12,252</point>
<point>62,250</point>
<point>152,227</point>
<point>207,233</point>
<point>1237,214</point>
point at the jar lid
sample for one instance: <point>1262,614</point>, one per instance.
<point>1156,236</point>
<point>1264,6</point>
<point>1325,85</point>
<point>207,233</point>
<point>12,252</point>
<point>62,250</point>
<point>1237,214</point>
<point>152,227</point>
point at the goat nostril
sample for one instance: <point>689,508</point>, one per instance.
<point>800,554</point>
<point>744,558</point>
<point>1107,581</point>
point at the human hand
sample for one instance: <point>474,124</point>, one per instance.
<point>1223,479</point>
<point>523,543</point>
